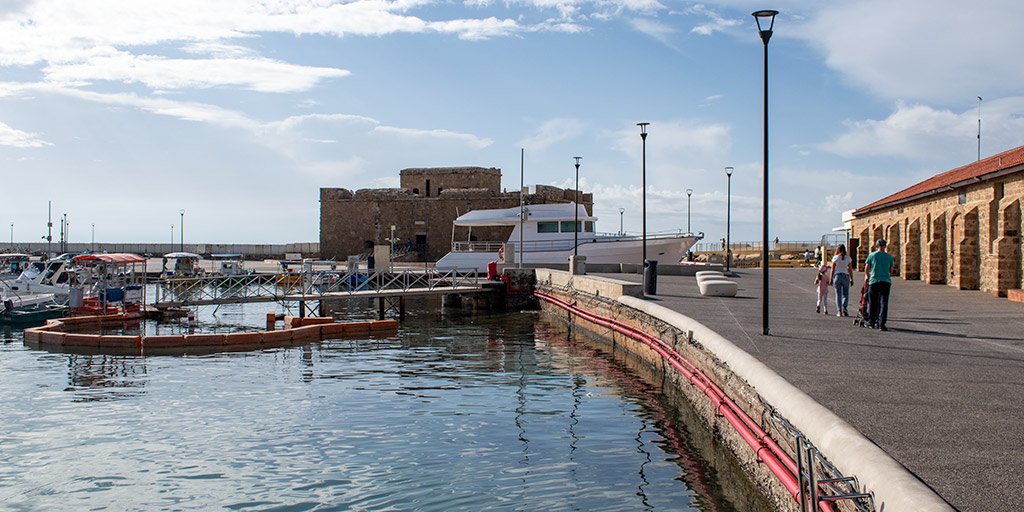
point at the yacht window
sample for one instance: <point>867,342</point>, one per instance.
<point>588,226</point>
<point>567,226</point>
<point>547,227</point>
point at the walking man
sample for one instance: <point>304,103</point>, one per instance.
<point>878,267</point>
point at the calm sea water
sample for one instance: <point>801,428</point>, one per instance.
<point>458,412</point>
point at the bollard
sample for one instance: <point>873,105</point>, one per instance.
<point>578,265</point>
<point>650,277</point>
<point>271,321</point>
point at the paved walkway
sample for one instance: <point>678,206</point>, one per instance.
<point>942,391</point>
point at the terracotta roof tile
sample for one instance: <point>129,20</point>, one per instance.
<point>995,163</point>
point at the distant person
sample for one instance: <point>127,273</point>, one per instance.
<point>807,256</point>
<point>776,242</point>
<point>842,278</point>
<point>878,268</point>
<point>822,281</point>
<point>817,255</point>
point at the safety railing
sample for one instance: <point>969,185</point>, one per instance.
<point>821,482</point>
<point>307,285</point>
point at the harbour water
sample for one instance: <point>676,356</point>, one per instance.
<point>457,412</point>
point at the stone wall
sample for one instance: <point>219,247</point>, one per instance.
<point>352,222</point>
<point>967,237</point>
<point>430,182</point>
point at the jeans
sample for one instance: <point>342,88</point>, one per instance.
<point>879,293</point>
<point>842,284</point>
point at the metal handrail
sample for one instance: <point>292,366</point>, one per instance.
<point>556,245</point>
<point>307,285</point>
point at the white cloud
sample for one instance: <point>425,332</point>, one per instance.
<point>15,138</point>
<point>551,132</point>
<point>716,22</point>
<point>463,138</point>
<point>263,75</point>
<point>655,29</point>
<point>924,133</point>
<point>679,141</point>
<point>922,50</point>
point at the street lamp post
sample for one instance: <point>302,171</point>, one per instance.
<point>728,213</point>
<point>93,244</point>
<point>172,237</point>
<point>12,237</point>
<point>576,210</point>
<point>649,287</point>
<point>181,230</point>
<point>689,192</point>
<point>622,232</point>
<point>768,16</point>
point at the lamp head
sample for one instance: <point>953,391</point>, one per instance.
<point>643,129</point>
<point>688,192</point>
<point>768,16</point>
<point>182,211</point>
<point>728,171</point>
<point>622,210</point>
<point>578,158</point>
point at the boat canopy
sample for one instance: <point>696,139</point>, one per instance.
<point>535,213</point>
<point>110,258</point>
<point>226,256</point>
<point>183,255</point>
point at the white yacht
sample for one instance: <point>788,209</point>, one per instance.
<point>547,237</point>
<point>55,276</point>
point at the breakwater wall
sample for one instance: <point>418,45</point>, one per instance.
<point>250,251</point>
<point>83,333</point>
<point>755,413</point>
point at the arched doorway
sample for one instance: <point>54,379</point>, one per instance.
<point>912,251</point>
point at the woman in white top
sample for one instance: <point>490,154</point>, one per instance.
<point>842,278</point>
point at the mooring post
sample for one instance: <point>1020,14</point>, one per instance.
<point>302,309</point>
<point>380,308</point>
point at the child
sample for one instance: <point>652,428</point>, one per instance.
<point>822,282</point>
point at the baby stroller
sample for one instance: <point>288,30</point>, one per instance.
<point>864,311</point>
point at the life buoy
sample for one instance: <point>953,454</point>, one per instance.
<point>501,254</point>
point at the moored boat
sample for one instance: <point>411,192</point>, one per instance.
<point>549,233</point>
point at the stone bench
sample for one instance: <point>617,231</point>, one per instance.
<point>717,288</point>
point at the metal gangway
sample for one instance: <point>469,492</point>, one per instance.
<point>313,286</point>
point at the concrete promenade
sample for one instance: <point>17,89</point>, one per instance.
<point>942,391</point>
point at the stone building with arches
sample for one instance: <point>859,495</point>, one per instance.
<point>961,228</point>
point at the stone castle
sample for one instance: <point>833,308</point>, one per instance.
<point>422,210</point>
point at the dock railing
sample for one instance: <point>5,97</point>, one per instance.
<point>310,286</point>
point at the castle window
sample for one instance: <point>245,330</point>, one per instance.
<point>962,198</point>
<point>416,191</point>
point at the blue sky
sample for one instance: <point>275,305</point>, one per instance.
<point>122,113</point>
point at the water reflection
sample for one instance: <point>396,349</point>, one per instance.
<point>94,378</point>
<point>458,412</point>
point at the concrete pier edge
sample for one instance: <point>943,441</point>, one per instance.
<point>894,487</point>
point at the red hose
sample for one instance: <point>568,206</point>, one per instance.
<point>767,450</point>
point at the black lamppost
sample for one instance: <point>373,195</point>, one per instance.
<point>766,34</point>
<point>622,232</point>
<point>650,286</point>
<point>181,230</point>
<point>576,210</point>
<point>93,243</point>
<point>728,212</point>
<point>689,192</point>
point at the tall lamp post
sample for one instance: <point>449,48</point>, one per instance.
<point>622,232</point>
<point>576,210</point>
<point>768,17</point>
<point>689,192</point>
<point>728,213</point>
<point>181,230</point>
<point>649,286</point>
<point>12,237</point>
<point>93,244</point>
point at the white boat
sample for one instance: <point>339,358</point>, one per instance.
<point>12,265</point>
<point>231,265</point>
<point>183,265</point>
<point>547,238</point>
<point>55,276</point>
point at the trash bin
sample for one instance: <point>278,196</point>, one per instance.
<point>650,277</point>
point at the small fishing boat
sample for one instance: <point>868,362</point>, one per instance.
<point>29,310</point>
<point>12,265</point>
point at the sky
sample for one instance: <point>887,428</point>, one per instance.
<point>237,112</point>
